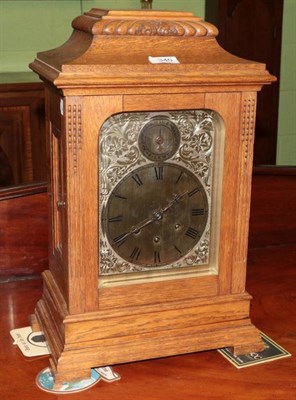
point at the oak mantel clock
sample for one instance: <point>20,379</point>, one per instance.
<point>150,143</point>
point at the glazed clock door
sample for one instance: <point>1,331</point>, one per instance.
<point>158,188</point>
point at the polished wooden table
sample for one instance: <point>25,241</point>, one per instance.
<point>205,375</point>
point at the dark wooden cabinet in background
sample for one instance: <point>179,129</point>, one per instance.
<point>252,29</point>
<point>23,198</point>
<point>22,133</point>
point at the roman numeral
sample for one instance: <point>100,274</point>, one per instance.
<point>179,177</point>
<point>119,240</point>
<point>192,233</point>
<point>118,218</point>
<point>178,250</point>
<point>197,211</point>
<point>135,253</point>
<point>137,179</point>
<point>194,191</point>
<point>158,173</point>
<point>118,196</point>
<point>156,257</point>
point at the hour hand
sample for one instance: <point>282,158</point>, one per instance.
<point>156,215</point>
<point>141,225</point>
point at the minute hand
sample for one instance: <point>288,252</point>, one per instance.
<point>176,199</point>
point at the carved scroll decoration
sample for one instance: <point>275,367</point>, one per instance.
<point>137,23</point>
<point>119,154</point>
<point>120,27</point>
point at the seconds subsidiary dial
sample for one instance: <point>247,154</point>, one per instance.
<point>156,215</point>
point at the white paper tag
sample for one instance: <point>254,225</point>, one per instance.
<point>108,374</point>
<point>30,343</point>
<point>164,60</point>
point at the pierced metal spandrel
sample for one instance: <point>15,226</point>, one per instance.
<point>196,150</point>
<point>119,152</point>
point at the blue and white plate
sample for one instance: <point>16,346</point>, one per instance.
<point>45,381</point>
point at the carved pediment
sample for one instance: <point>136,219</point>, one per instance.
<point>116,47</point>
<point>131,23</point>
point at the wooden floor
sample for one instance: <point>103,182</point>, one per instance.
<point>206,375</point>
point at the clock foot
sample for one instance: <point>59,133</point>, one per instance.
<point>60,377</point>
<point>253,347</point>
<point>35,326</point>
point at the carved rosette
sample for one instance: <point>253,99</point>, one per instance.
<point>120,154</point>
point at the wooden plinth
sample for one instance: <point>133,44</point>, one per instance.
<point>80,342</point>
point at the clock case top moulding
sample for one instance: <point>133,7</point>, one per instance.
<point>102,70</point>
<point>111,48</point>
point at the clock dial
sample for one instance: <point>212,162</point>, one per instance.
<point>159,139</point>
<point>156,214</point>
<point>156,194</point>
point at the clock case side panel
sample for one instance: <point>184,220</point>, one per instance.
<point>52,308</point>
<point>56,189</point>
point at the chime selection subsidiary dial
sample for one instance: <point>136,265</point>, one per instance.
<point>159,139</point>
<point>156,214</point>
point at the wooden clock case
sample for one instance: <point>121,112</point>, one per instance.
<point>103,69</point>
